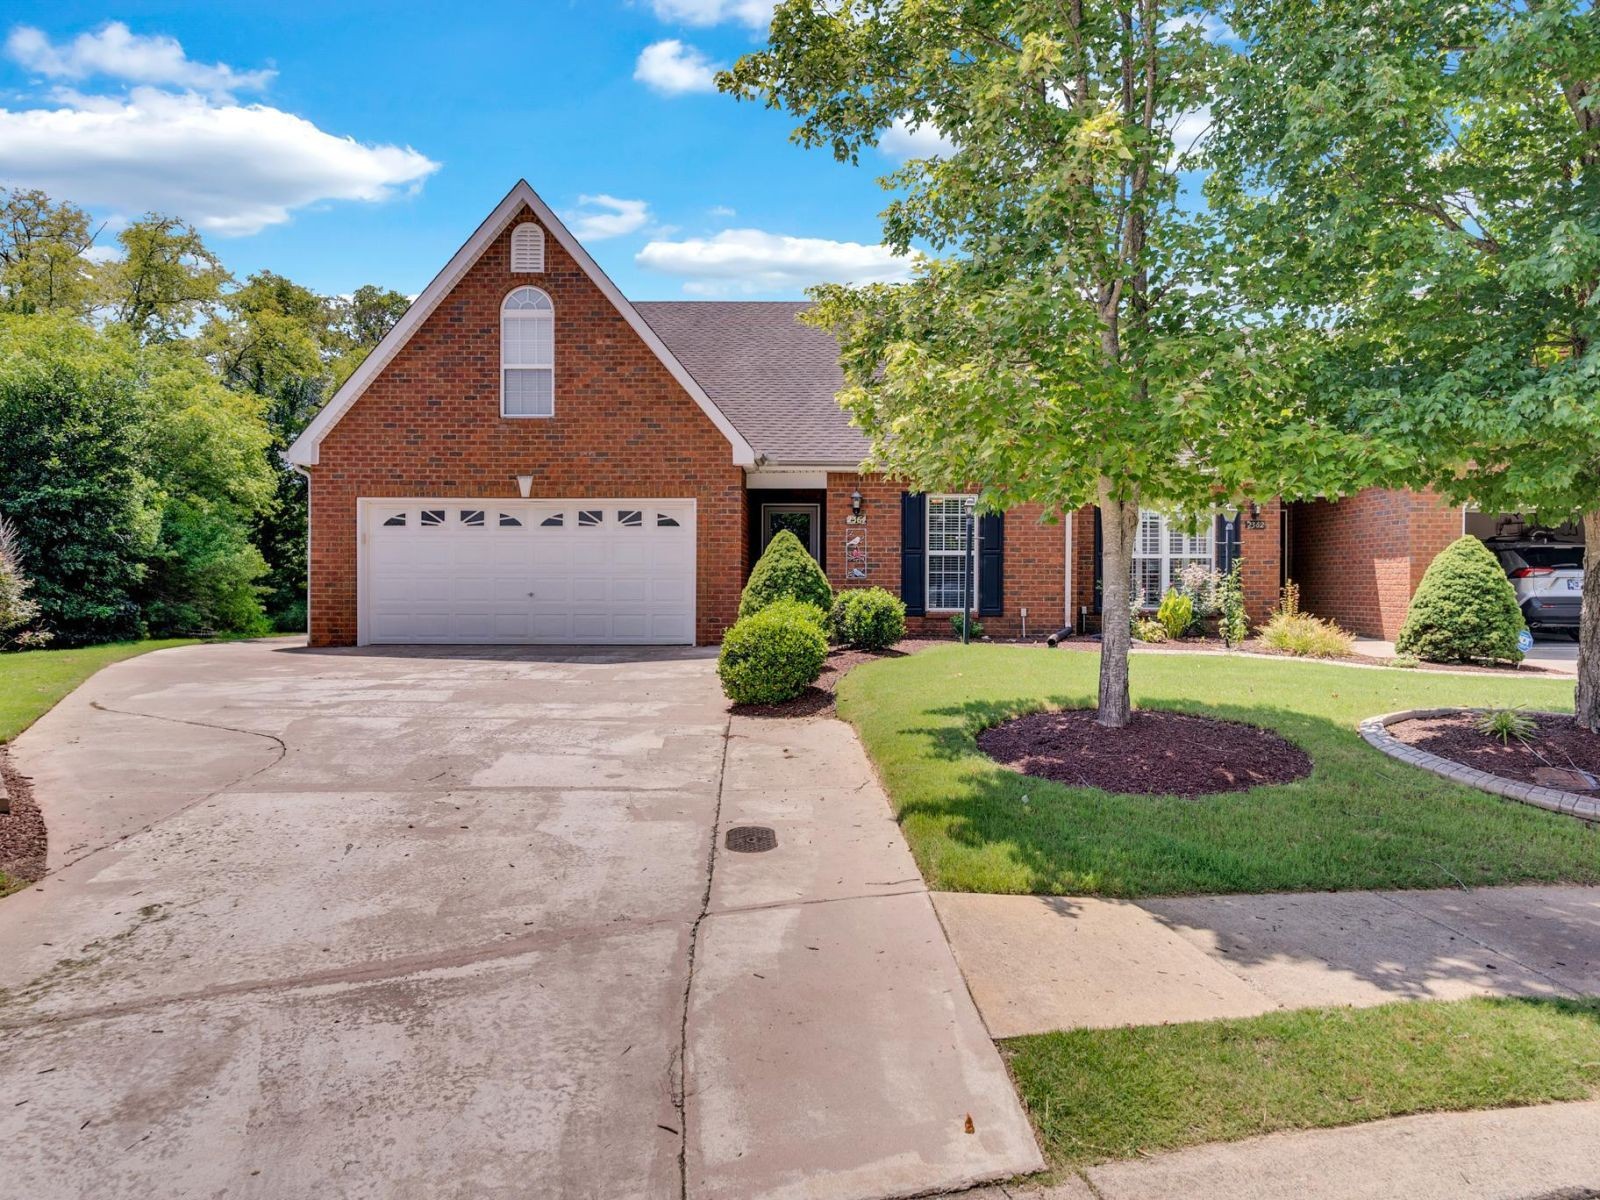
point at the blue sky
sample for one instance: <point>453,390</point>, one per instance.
<point>347,143</point>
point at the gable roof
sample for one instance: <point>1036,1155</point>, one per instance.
<point>775,378</point>
<point>305,449</point>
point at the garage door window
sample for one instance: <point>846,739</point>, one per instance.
<point>527,355</point>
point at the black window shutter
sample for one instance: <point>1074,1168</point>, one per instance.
<point>913,552</point>
<point>991,563</point>
<point>1227,542</point>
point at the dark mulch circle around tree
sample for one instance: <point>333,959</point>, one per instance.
<point>1156,754</point>
<point>1560,745</point>
<point>22,835</point>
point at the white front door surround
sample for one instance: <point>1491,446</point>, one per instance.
<point>558,572</point>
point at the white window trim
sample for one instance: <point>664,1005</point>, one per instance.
<point>928,552</point>
<point>546,314</point>
<point>1165,556</point>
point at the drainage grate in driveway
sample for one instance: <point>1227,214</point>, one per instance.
<point>751,839</point>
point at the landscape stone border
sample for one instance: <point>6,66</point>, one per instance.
<point>1376,732</point>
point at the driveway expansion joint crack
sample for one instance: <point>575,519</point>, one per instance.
<point>680,1090</point>
<point>283,752</point>
<point>356,974</point>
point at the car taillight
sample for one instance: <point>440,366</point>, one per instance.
<point>1530,572</point>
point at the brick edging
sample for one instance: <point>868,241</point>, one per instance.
<point>1376,732</point>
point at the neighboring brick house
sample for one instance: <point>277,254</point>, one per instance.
<point>528,457</point>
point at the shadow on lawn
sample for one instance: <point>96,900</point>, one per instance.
<point>1358,820</point>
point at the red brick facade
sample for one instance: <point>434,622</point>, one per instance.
<point>430,426</point>
<point>1033,572</point>
<point>1359,560</point>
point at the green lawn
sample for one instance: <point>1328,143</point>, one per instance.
<point>31,681</point>
<point>1098,1094</point>
<point>1360,820</point>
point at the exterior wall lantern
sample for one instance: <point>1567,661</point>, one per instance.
<point>855,503</point>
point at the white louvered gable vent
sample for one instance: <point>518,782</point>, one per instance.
<point>527,249</point>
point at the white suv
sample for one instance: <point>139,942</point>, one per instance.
<point>1548,578</point>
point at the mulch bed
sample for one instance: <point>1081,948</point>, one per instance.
<point>22,836</point>
<point>1156,754</point>
<point>817,700</point>
<point>1560,745</point>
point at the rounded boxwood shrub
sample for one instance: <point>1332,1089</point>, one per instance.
<point>773,655</point>
<point>785,570</point>
<point>867,618</point>
<point>1465,609</point>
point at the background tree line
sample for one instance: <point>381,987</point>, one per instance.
<point>145,396</point>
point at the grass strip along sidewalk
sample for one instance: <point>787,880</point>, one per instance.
<point>1101,1094</point>
<point>1359,820</point>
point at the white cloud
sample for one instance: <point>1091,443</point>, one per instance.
<point>926,140</point>
<point>672,67</point>
<point>757,14</point>
<point>1187,132</point>
<point>752,260</point>
<point>228,168</point>
<point>608,217</point>
<point>1212,27</point>
<point>113,51</point>
<point>722,210</point>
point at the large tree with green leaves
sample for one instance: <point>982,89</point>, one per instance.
<point>1419,185</point>
<point>44,262</point>
<point>1074,342</point>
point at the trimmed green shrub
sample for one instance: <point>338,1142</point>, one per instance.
<point>1465,609</point>
<point>1176,613</point>
<point>1148,629</point>
<point>867,618</point>
<point>773,655</point>
<point>785,570</point>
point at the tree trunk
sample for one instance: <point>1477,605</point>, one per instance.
<point>1586,704</point>
<point>1119,525</point>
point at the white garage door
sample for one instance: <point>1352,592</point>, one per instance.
<point>578,572</point>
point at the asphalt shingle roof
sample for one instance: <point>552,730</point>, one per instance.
<point>774,378</point>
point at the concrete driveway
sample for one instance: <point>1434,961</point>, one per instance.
<point>448,922</point>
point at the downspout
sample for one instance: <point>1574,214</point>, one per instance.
<point>299,470</point>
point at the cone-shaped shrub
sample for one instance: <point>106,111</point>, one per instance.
<point>785,571</point>
<point>1465,609</point>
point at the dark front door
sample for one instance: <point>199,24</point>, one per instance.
<point>802,520</point>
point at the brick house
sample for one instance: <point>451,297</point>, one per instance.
<point>529,457</point>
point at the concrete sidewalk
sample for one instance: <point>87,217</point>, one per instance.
<point>1548,1152</point>
<point>833,1050</point>
<point>1037,963</point>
